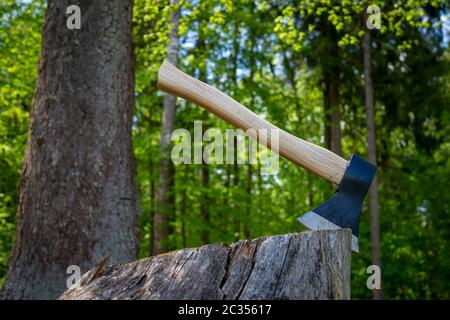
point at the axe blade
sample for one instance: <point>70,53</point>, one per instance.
<point>343,210</point>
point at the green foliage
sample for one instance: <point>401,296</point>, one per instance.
<point>272,57</point>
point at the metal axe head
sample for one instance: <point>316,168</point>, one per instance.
<point>344,208</point>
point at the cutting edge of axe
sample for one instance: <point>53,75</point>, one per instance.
<point>352,177</point>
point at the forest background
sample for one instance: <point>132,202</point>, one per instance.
<point>301,65</point>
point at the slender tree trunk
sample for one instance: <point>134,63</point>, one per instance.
<point>236,207</point>
<point>235,56</point>
<point>204,170</point>
<point>165,198</point>
<point>204,206</point>
<point>310,192</point>
<point>152,192</point>
<point>236,218</point>
<point>290,74</point>
<point>224,212</point>
<point>248,191</point>
<point>248,205</point>
<point>372,156</point>
<point>336,146</point>
<point>152,166</point>
<point>260,201</point>
<point>332,116</point>
<point>78,200</point>
<point>331,75</point>
<point>183,209</point>
<point>327,113</point>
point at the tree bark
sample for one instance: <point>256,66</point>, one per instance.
<point>78,200</point>
<point>165,199</point>
<point>372,157</point>
<point>308,265</point>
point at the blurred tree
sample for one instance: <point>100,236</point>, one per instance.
<point>371,150</point>
<point>165,197</point>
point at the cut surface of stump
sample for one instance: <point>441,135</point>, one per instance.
<point>307,265</point>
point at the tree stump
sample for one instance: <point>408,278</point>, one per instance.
<point>307,265</point>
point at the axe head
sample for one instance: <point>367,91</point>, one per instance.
<point>344,208</point>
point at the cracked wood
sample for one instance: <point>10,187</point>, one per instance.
<point>307,265</point>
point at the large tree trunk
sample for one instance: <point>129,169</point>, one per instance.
<point>308,265</point>
<point>78,200</point>
<point>165,199</point>
<point>372,157</point>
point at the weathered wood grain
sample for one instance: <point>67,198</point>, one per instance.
<point>307,265</point>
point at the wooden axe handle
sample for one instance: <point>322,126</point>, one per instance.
<point>316,159</point>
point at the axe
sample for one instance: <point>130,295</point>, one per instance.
<point>353,177</point>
